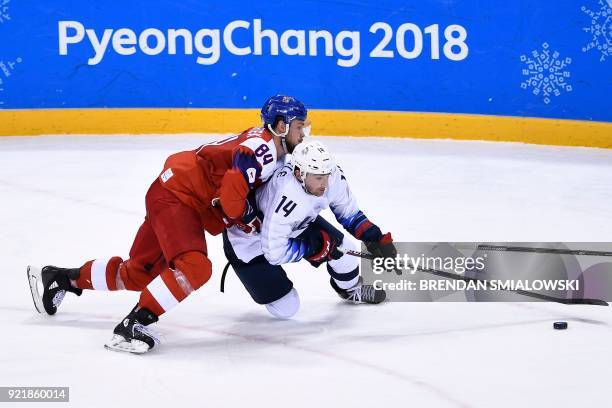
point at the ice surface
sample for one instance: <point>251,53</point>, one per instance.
<point>68,199</point>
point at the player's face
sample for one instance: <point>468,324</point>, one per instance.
<point>316,184</point>
<point>295,135</point>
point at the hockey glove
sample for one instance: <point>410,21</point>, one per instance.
<point>250,222</point>
<point>325,248</point>
<point>383,248</point>
<point>251,219</point>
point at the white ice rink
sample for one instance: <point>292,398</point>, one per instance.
<point>65,200</point>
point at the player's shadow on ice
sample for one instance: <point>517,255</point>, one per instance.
<point>80,321</point>
<point>231,334</point>
<point>259,331</point>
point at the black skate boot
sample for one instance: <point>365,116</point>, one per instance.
<point>360,293</point>
<point>55,283</point>
<point>132,335</point>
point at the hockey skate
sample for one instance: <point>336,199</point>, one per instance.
<point>360,293</point>
<point>55,283</point>
<point>132,335</point>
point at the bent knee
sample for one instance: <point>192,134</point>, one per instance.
<point>196,267</point>
<point>285,307</point>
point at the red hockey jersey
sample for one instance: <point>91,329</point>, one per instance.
<point>227,169</point>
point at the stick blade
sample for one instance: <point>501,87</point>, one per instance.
<point>595,302</point>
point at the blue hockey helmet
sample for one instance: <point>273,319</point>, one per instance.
<point>287,107</point>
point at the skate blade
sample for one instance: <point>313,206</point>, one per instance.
<point>34,277</point>
<point>120,344</point>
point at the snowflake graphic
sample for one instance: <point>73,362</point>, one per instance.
<point>4,11</point>
<point>600,29</point>
<point>546,73</point>
<point>8,67</point>
<point>6,70</point>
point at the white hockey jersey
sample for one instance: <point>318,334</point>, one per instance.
<point>288,209</point>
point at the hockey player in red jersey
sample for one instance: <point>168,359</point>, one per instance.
<point>169,259</point>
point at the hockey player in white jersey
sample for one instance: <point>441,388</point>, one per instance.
<point>292,229</point>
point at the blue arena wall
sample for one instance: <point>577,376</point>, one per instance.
<point>544,59</point>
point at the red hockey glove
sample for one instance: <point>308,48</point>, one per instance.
<point>250,222</point>
<point>251,219</point>
<point>325,247</point>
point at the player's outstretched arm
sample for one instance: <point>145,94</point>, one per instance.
<point>344,206</point>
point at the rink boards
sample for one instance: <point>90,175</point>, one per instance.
<point>536,72</point>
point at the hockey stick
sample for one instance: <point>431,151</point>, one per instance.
<point>223,275</point>
<point>450,275</point>
<point>501,248</point>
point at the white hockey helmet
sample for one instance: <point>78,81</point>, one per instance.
<point>312,157</point>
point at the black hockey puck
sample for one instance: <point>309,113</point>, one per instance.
<point>560,325</point>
